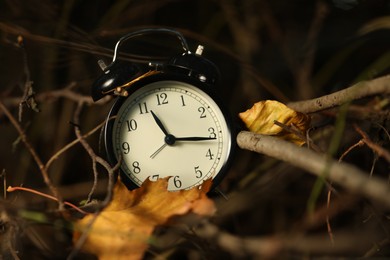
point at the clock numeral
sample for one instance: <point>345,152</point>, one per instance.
<point>209,154</point>
<point>212,132</point>
<point>131,125</point>
<point>202,112</point>
<point>136,168</point>
<point>143,108</point>
<point>183,104</point>
<point>126,147</point>
<point>162,99</point>
<point>177,182</point>
<point>154,177</point>
<point>198,172</point>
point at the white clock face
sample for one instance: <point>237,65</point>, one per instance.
<point>171,128</point>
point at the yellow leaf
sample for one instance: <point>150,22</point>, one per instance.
<point>123,228</point>
<point>262,116</point>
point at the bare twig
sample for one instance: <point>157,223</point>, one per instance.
<point>34,154</point>
<point>12,189</point>
<point>376,247</point>
<point>111,173</point>
<point>384,129</point>
<point>328,225</point>
<point>343,174</point>
<point>362,89</point>
<point>71,144</point>
<point>66,92</point>
<point>329,194</point>
<point>95,159</point>
<point>295,130</point>
<point>325,212</point>
<point>360,143</point>
<point>291,129</point>
<point>4,177</point>
<point>304,70</point>
<point>83,47</point>
<point>28,92</point>
<point>375,147</point>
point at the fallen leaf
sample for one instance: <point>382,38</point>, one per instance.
<point>262,116</point>
<point>123,229</point>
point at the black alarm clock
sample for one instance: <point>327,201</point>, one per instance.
<point>168,120</point>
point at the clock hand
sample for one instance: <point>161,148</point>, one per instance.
<point>170,140</point>
<point>194,138</point>
<point>158,150</point>
<point>159,123</point>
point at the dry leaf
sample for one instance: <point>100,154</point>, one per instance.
<point>262,116</point>
<point>123,228</point>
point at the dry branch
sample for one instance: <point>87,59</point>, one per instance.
<point>375,147</point>
<point>35,156</point>
<point>95,159</point>
<point>346,175</point>
<point>66,93</point>
<point>111,175</point>
<point>269,247</point>
<point>359,90</point>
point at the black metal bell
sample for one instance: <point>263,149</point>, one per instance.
<point>195,66</point>
<point>114,75</point>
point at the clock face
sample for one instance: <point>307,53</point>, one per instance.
<point>170,128</point>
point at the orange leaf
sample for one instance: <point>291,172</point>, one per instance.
<point>262,116</point>
<point>123,228</point>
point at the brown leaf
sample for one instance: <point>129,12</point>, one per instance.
<point>262,116</point>
<point>123,228</point>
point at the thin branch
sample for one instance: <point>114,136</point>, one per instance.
<point>82,47</point>
<point>65,92</point>
<point>304,70</point>
<point>33,153</point>
<point>111,173</point>
<point>359,90</point>
<point>376,247</point>
<point>96,159</point>
<point>343,174</point>
<point>328,225</point>
<point>340,203</point>
<point>71,144</point>
<point>375,147</point>
<point>3,176</point>
<point>28,92</point>
<point>360,143</point>
<point>12,189</point>
<point>295,130</point>
<point>384,129</point>
<point>269,247</point>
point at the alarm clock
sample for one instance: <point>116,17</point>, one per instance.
<point>167,120</point>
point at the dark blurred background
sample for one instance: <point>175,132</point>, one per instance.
<point>283,50</point>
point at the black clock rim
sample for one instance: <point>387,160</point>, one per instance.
<point>207,88</point>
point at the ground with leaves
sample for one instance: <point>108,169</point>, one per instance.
<point>326,197</point>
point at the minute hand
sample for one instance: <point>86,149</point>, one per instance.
<point>194,138</point>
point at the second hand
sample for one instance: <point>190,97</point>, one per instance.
<point>158,150</point>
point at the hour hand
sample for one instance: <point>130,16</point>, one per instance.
<point>194,138</point>
<point>159,123</point>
